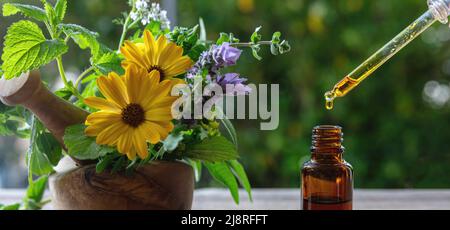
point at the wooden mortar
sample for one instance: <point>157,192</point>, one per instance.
<point>160,185</point>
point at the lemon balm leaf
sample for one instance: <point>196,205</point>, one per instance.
<point>83,147</point>
<point>108,62</point>
<point>60,9</point>
<point>26,48</point>
<point>30,11</point>
<point>83,37</point>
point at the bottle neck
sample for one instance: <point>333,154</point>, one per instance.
<point>327,144</point>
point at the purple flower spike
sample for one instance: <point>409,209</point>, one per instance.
<point>226,55</point>
<point>235,80</point>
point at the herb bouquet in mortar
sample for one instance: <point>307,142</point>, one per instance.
<point>121,128</point>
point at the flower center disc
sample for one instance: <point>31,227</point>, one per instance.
<point>157,68</point>
<point>133,115</point>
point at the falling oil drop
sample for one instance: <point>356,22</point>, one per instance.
<point>329,105</point>
<point>329,100</point>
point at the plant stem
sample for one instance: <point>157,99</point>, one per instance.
<point>124,32</point>
<point>31,150</point>
<point>64,79</point>
<point>249,44</point>
<point>82,75</point>
<point>61,71</point>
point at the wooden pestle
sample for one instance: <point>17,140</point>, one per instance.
<point>55,113</point>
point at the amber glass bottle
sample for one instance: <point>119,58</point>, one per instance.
<point>327,179</point>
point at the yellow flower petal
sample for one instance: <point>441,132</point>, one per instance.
<point>110,136</point>
<point>114,89</point>
<point>150,134</point>
<point>141,145</point>
<point>181,66</point>
<point>125,142</point>
<point>159,114</point>
<point>170,54</point>
<point>102,104</point>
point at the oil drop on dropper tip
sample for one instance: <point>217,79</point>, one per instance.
<point>439,10</point>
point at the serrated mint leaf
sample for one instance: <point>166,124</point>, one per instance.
<point>256,36</point>
<point>83,147</point>
<point>255,52</point>
<point>83,37</point>
<point>213,149</point>
<point>108,62</point>
<point>27,10</point>
<point>51,14</point>
<point>60,9</point>
<point>37,161</point>
<point>27,49</point>
<point>276,37</point>
<point>36,189</point>
<point>48,145</point>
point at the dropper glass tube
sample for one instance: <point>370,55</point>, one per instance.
<point>436,12</point>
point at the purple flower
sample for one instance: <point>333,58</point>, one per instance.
<point>216,58</point>
<point>234,80</point>
<point>225,55</point>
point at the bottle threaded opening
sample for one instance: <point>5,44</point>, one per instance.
<point>327,139</point>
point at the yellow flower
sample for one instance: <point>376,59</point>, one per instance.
<point>156,55</point>
<point>136,110</point>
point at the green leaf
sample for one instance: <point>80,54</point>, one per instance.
<point>119,164</point>
<point>83,37</point>
<point>197,166</point>
<point>284,47</point>
<point>196,51</point>
<point>255,52</point>
<point>224,37</point>
<point>213,149</point>
<point>52,18</point>
<point>276,37</point>
<point>37,161</point>
<point>108,62</point>
<point>26,49</point>
<point>91,89</point>
<point>105,162</point>
<point>222,173</point>
<point>48,145</point>
<point>239,171</point>
<point>230,129</point>
<point>13,121</point>
<point>27,10</point>
<point>36,189</point>
<point>60,9</point>
<point>64,93</point>
<point>12,207</point>
<point>279,47</point>
<point>256,36</point>
<point>81,146</point>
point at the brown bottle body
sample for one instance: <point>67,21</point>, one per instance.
<point>327,179</point>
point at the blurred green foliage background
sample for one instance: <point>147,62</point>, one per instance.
<point>396,124</point>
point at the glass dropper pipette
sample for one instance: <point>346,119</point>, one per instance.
<point>439,10</point>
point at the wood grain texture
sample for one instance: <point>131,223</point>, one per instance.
<point>159,186</point>
<point>55,113</point>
